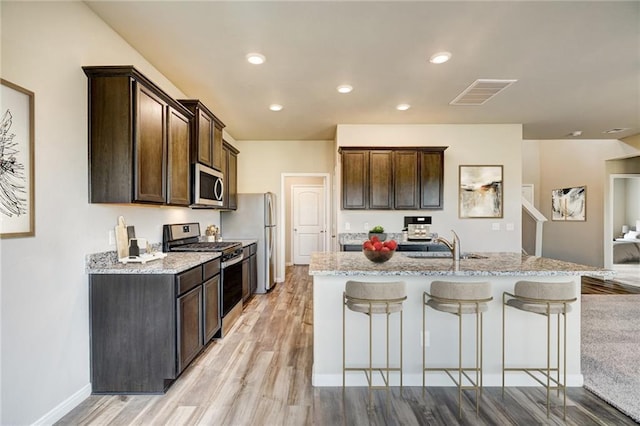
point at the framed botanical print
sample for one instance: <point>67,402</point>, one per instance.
<point>17,206</point>
<point>480,192</point>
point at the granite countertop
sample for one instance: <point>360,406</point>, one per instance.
<point>360,237</point>
<point>245,241</point>
<point>174,263</point>
<point>514,264</point>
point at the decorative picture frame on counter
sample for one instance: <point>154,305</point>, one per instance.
<point>569,204</point>
<point>17,204</point>
<point>480,191</point>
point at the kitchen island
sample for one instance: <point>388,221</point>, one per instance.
<point>526,338</point>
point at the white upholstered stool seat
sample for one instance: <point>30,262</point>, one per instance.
<point>373,298</point>
<point>539,297</point>
<point>459,298</point>
<point>376,298</point>
<point>546,299</point>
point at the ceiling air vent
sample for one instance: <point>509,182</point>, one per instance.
<point>480,91</point>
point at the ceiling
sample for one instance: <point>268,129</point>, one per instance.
<point>577,63</point>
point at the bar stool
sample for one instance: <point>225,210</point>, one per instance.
<point>459,298</point>
<point>373,298</point>
<point>545,299</point>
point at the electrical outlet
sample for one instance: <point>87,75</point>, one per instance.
<point>111,237</point>
<point>347,226</point>
<point>366,226</point>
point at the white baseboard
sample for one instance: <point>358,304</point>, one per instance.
<point>65,406</point>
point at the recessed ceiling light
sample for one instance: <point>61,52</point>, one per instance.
<point>256,58</point>
<point>615,130</point>
<point>275,107</point>
<point>440,57</point>
<point>576,133</point>
<point>403,107</point>
<point>345,88</point>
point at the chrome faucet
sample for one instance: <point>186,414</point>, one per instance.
<point>453,245</point>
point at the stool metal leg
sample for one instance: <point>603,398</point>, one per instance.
<point>344,363</point>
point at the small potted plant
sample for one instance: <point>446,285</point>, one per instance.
<point>378,231</point>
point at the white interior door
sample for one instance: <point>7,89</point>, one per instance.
<point>309,225</point>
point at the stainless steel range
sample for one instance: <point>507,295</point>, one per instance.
<point>185,237</point>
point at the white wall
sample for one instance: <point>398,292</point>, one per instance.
<point>44,297</point>
<point>467,145</point>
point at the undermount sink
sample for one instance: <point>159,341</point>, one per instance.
<point>442,255</point>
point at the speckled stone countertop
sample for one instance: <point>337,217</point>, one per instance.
<point>174,263</point>
<point>514,264</point>
<point>357,238</point>
<point>245,241</point>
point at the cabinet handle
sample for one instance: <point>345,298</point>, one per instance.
<point>218,189</point>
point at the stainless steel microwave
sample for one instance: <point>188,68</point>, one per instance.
<point>208,188</point>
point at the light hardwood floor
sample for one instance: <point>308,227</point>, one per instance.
<point>260,374</point>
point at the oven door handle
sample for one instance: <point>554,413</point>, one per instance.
<point>232,261</point>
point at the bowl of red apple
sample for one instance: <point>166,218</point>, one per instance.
<point>379,251</point>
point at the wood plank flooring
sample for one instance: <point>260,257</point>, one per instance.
<point>260,374</point>
<point>591,285</point>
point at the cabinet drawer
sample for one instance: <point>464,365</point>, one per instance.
<point>189,279</point>
<point>211,268</point>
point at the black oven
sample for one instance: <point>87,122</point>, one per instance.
<point>231,283</point>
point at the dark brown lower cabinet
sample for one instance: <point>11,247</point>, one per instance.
<point>189,307</point>
<point>145,329</point>
<point>249,271</point>
<point>211,298</point>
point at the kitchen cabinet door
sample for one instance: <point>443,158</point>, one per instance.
<point>431,179</point>
<point>233,179</point>
<point>211,297</point>
<point>216,161</point>
<point>178,163</point>
<point>380,179</point>
<point>230,172</point>
<point>190,336</point>
<point>246,279</point>
<point>135,130</point>
<point>355,179</point>
<point>203,146</point>
<point>206,145</point>
<point>405,180</point>
<point>150,146</point>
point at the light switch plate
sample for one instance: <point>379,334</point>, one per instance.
<point>495,226</point>
<point>510,227</point>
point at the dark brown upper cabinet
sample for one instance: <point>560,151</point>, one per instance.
<point>355,179</point>
<point>381,179</point>
<point>431,179</point>
<point>206,134</point>
<point>406,194</point>
<point>230,172</point>
<point>408,178</point>
<point>138,140</point>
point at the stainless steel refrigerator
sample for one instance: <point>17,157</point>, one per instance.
<point>255,218</point>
